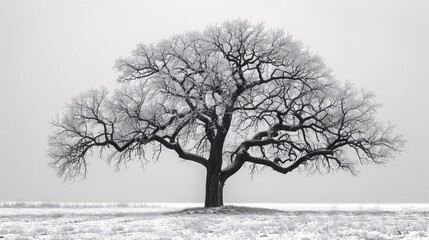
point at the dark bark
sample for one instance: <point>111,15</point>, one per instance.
<point>213,180</point>
<point>221,184</point>
<point>213,190</point>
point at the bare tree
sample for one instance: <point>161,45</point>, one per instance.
<point>235,93</point>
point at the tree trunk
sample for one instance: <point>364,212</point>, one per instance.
<point>213,190</point>
<point>221,184</point>
<point>214,186</point>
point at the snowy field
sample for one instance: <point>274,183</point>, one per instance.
<point>37,220</point>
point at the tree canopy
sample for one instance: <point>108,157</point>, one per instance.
<point>232,94</point>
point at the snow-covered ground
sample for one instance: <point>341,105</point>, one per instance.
<point>41,220</point>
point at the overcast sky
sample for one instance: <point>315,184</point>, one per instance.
<point>51,51</point>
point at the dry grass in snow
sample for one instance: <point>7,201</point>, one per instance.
<point>171,221</point>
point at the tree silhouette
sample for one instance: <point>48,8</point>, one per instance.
<point>232,94</point>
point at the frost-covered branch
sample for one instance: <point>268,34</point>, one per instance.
<point>328,123</point>
<point>124,123</point>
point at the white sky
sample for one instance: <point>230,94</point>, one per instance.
<point>53,50</point>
